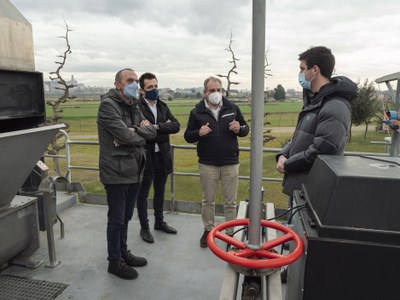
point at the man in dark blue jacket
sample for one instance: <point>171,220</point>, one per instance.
<point>214,124</point>
<point>159,160</point>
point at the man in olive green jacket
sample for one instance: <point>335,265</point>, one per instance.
<point>123,132</point>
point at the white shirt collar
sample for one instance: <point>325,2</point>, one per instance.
<point>210,107</point>
<point>152,103</point>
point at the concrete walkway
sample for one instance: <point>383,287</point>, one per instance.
<point>178,268</point>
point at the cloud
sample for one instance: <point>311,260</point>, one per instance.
<point>184,41</point>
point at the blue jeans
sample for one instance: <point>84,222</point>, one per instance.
<point>121,200</point>
<point>159,181</point>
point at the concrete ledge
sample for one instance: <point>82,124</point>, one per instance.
<point>180,205</point>
<point>65,200</point>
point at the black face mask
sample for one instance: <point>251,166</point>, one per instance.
<point>151,95</point>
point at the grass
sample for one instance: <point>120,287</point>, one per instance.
<point>82,118</point>
<point>279,113</point>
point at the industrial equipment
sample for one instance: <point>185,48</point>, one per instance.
<point>350,228</point>
<point>23,136</point>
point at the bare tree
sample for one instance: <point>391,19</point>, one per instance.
<point>232,70</point>
<point>267,136</point>
<point>267,70</point>
<point>55,147</point>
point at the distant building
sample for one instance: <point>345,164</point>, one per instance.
<point>52,87</point>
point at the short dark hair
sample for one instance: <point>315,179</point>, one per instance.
<point>146,76</point>
<point>118,75</point>
<point>320,56</point>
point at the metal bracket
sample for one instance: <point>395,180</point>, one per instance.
<point>49,195</point>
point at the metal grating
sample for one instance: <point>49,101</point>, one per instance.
<point>19,288</point>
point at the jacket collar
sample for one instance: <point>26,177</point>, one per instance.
<point>201,106</point>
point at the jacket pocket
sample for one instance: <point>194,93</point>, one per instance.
<point>127,163</point>
<point>226,119</point>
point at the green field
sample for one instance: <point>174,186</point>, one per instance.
<point>280,114</point>
<point>82,109</point>
<point>81,115</point>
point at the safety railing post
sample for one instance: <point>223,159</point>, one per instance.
<point>172,182</point>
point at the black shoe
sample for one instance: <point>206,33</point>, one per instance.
<point>133,261</point>
<point>122,270</point>
<point>146,236</point>
<point>164,227</point>
<point>203,239</point>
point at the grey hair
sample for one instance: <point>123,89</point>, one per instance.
<point>212,78</point>
<point>118,75</point>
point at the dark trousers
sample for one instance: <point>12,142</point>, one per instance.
<point>121,200</point>
<point>159,181</point>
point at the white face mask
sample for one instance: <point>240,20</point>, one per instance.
<point>215,98</point>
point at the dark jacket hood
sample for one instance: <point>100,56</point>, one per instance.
<point>113,94</point>
<point>342,86</point>
<point>339,86</point>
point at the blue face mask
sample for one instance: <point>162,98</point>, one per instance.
<point>151,95</point>
<point>303,82</point>
<point>131,90</point>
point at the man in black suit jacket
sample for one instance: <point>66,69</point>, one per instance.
<point>159,161</point>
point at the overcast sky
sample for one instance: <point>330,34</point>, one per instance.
<point>184,41</point>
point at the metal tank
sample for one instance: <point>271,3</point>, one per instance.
<point>23,135</point>
<point>16,47</point>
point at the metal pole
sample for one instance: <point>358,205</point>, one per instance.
<point>67,155</point>
<point>172,182</point>
<point>257,120</point>
<point>394,148</point>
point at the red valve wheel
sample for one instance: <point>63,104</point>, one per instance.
<point>261,258</point>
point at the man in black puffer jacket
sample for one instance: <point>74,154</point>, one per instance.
<point>324,122</point>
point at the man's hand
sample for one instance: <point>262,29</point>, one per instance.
<point>280,165</point>
<point>116,143</point>
<point>204,130</point>
<point>234,126</point>
<point>144,123</point>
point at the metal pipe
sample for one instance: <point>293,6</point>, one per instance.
<point>257,119</point>
<point>172,183</point>
<point>67,154</point>
<point>62,231</point>
<point>394,148</point>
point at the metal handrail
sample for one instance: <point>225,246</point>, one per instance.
<point>70,167</point>
<point>66,156</point>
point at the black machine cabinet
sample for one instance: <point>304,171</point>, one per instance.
<point>350,229</point>
<point>22,106</point>
<point>22,103</point>
<point>355,197</point>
